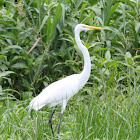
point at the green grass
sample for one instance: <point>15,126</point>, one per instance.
<point>86,117</point>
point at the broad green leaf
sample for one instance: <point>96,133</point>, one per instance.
<point>19,66</point>
<point>43,22</point>
<point>100,49</point>
<point>49,32</point>
<point>85,21</point>
<point>1,56</point>
<point>82,9</point>
<point>1,3</point>
<point>5,23</point>
<point>78,3</point>
<point>113,8</point>
<point>136,57</point>
<point>135,34</point>
<point>9,35</point>
<point>58,14</point>
<point>117,32</point>
<point>51,25</point>
<point>26,83</point>
<point>92,2</point>
<point>110,13</point>
<point>13,47</point>
<point>137,26</point>
<point>5,73</point>
<point>3,67</point>
<point>38,59</point>
<point>9,48</point>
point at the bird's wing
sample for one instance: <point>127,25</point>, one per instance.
<point>56,92</point>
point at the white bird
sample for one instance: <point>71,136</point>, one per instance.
<point>59,92</point>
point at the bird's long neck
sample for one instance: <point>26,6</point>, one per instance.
<point>85,74</point>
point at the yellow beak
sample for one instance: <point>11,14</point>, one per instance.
<point>95,28</point>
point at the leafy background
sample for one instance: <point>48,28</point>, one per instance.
<point>108,106</point>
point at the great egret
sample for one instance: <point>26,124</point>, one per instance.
<point>59,92</point>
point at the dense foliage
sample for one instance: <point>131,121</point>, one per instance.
<point>37,47</point>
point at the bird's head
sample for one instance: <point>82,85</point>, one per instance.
<point>83,27</point>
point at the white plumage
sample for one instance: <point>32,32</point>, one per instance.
<point>61,91</point>
<point>55,93</point>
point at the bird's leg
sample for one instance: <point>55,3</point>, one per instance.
<point>60,123</point>
<point>50,120</point>
<point>64,103</point>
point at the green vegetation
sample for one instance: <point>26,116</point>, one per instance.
<point>108,107</point>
